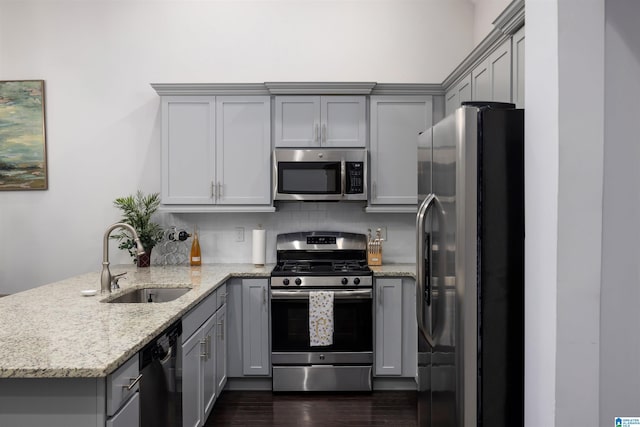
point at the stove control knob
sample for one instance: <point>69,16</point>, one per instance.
<point>285,282</point>
<point>344,281</point>
<point>298,281</point>
<point>356,281</point>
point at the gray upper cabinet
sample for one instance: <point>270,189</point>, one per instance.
<point>188,149</point>
<point>491,79</point>
<point>518,68</point>
<point>395,124</point>
<point>460,93</point>
<point>205,141</point>
<point>320,121</point>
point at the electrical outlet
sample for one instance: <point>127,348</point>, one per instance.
<point>239,234</point>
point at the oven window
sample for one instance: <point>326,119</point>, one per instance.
<point>352,324</point>
<point>309,177</point>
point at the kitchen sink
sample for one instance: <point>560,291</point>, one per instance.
<point>145,295</point>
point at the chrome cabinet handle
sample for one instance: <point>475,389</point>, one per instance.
<point>213,190</point>
<point>264,296</point>
<point>203,348</point>
<point>133,382</point>
<point>221,334</point>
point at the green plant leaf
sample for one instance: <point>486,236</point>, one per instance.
<point>137,211</point>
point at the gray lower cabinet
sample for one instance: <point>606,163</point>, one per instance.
<point>394,126</point>
<point>395,327</point>
<point>221,349</point>
<point>248,329</point>
<point>128,415</point>
<point>204,357</point>
<point>205,146</point>
<point>255,327</point>
<point>123,395</point>
<point>113,401</point>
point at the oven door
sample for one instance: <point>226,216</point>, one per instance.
<point>353,326</point>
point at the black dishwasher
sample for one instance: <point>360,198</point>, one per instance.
<point>161,382</point>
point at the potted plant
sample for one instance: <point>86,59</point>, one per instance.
<point>137,211</point>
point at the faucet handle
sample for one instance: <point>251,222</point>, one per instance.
<point>114,280</point>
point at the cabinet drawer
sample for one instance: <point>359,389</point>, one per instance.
<point>222,295</point>
<point>129,415</point>
<point>198,315</point>
<point>122,384</point>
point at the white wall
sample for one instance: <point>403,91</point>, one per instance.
<point>485,12</point>
<point>620,342</point>
<point>103,131</point>
<point>564,192</point>
<point>541,207</point>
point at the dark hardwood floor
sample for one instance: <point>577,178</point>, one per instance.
<point>258,408</point>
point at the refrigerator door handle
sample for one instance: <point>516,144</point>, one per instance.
<point>423,290</point>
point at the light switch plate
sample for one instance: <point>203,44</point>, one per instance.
<point>239,234</point>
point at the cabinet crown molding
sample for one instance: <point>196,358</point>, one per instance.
<point>505,25</point>
<point>320,88</point>
<point>407,89</point>
<point>208,89</point>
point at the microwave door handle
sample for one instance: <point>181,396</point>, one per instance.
<point>343,177</point>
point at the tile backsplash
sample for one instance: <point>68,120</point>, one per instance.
<point>219,233</point>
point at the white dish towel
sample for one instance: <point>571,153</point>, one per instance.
<point>321,318</point>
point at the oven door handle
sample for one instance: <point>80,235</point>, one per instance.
<point>357,294</point>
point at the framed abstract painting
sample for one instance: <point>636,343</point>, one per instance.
<point>23,147</point>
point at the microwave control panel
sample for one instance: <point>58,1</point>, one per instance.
<point>355,177</point>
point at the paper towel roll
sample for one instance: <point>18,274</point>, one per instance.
<point>259,247</point>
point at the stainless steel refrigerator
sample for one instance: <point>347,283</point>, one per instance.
<point>470,268</point>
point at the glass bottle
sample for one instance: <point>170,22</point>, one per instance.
<point>194,257</point>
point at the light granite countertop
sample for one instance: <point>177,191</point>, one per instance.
<point>53,331</point>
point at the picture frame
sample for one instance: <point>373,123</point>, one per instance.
<point>23,145</point>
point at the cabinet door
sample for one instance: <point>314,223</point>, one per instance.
<point>297,121</point>
<point>193,351</point>
<point>458,94</point>
<point>221,349</point>
<point>128,415</point>
<point>243,150</point>
<point>255,327</point>
<point>500,72</point>
<point>395,124</point>
<point>481,82</point>
<point>343,121</point>
<point>517,53</point>
<point>188,154</point>
<point>209,366</point>
<point>388,355</point>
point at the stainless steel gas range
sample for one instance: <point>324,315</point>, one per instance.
<point>311,266</point>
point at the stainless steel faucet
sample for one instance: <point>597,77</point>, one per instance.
<point>106,278</point>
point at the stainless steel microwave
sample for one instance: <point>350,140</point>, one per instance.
<point>320,174</point>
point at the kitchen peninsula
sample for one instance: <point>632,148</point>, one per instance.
<point>58,347</point>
